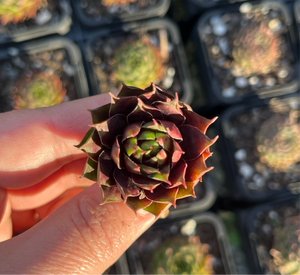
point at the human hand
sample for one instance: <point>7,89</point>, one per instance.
<point>39,179</point>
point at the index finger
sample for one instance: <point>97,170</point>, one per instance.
<point>36,143</point>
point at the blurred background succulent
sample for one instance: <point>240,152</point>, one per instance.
<point>278,143</point>
<point>41,90</point>
<point>255,50</point>
<point>138,63</point>
<point>18,10</point>
<point>286,247</point>
<point>183,256</point>
<point>109,3</point>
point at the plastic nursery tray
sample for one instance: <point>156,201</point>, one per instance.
<point>246,219</point>
<point>62,26</point>
<point>297,16</point>
<point>210,79</point>
<point>157,10</point>
<point>198,205</point>
<point>168,227</point>
<point>143,27</point>
<point>236,188</point>
<point>74,55</point>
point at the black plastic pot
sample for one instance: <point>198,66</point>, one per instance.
<point>36,47</point>
<point>212,79</point>
<point>156,10</point>
<point>208,223</point>
<point>60,26</point>
<point>182,75</point>
<point>196,205</point>
<point>230,161</point>
<point>249,222</point>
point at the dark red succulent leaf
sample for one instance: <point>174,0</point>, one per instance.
<point>136,203</point>
<point>91,144</point>
<point>162,195</point>
<point>171,111</point>
<point>125,183</point>
<point>171,129</point>
<point>195,139</point>
<point>200,122</point>
<point>109,129</point>
<point>146,148</point>
<point>156,208</point>
<point>90,170</point>
<point>189,191</point>
<point>196,169</point>
<point>145,183</point>
<point>105,169</point>
<point>123,106</point>
<point>178,175</point>
<point>100,114</point>
<point>117,153</point>
<point>110,194</point>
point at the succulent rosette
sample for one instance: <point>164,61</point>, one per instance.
<point>146,148</point>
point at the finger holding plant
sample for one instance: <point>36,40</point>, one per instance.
<point>146,148</point>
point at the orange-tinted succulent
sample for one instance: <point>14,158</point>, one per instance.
<point>256,50</point>
<point>109,3</point>
<point>18,10</point>
<point>41,90</point>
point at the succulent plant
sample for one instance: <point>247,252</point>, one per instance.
<point>18,10</point>
<point>183,256</point>
<point>41,90</point>
<point>109,3</point>
<point>286,248</point>
<point>146,148</point>
<point>256,50</point>
<point>278,143</point>
<point>138,63</point>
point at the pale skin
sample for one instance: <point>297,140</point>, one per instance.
<point>40,180</point>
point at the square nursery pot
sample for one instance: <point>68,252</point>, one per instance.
<point>179,240</point>
<point>57,60</point>
<point>261,143</point>
<point>247,51</point>
<point>93,13</point>
<point>205,198</point>
<point>271,237</point>
<point>153,47</point>
<point>55,17</point>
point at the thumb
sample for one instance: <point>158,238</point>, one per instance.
<point>81,236</point>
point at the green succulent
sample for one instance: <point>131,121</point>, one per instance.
<point>256,50</point>
<point>41,90</point>
<point>286,248</point>
<point>278,143</point>
<point>183,256</point>
<point>18,10</point>
<point>138,63</point>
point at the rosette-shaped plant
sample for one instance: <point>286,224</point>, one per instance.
<point>109,3</point>
<point>138,63</point>
<point>256,50</point>
<point>41,90</point>
<point>286,248</point>
<point>183,256</point>
<point>146,148</point>
<point>278,143</point>
<point>18,10</point>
